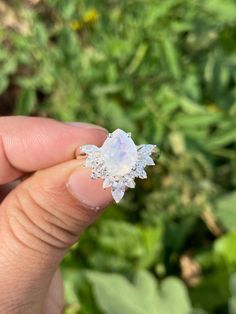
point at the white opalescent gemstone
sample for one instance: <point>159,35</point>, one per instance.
<point>120,153</point>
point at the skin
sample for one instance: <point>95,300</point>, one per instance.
<point>47,200</point>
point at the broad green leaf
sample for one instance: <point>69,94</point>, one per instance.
<point>146,282</point>
<point>116,295</point>
<point>225,248</point>
<point>174,297</point>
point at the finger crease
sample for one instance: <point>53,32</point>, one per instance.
<point>40,228</point>
<point>75,219</point>
<point>17,239</point>
<point>41,208</point>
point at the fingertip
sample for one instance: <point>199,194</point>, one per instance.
<point>89,192</point>
<point>86,125</point>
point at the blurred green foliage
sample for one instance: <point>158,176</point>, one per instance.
<point>166,71</point>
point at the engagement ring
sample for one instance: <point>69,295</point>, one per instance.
<point>118,162</point>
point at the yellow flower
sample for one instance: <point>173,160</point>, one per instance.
<point>213,108</point>
<point>91,16</point>
<point>76,25</point>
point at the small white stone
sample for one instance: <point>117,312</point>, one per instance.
<point>149,162</point>
<point>119,153</point>
<point>88,162</point>
<point>106,183</point>
<point>129,182</point>
<point>117,194</point>
<point>146,149</point>
<point>142,174</point>
<point>89,149</point>
<point>94,175</point>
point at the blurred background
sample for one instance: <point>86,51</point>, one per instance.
<point>165,71</point>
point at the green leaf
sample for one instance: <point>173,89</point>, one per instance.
<point>116,295</point>
<point>225,210</point>
<point>232,300</point>
<point>225,248</point>
<point>212,291</point>
<point>232,305</point>
<point>138,58</point>
<point>3,83</point>
<point>224,11</point>
<point>197,120</point>
<point>26,102</point>
<point>233,285</point>
<point>171,57</point>
<point>190,107</point>
<point>222,138</point>
<point>174,297</point>
<point>144,282</point>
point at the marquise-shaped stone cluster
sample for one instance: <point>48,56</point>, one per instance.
<point>118,162</point>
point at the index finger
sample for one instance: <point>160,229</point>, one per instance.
<point>28,144</point>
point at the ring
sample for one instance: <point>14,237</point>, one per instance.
<point>118,162</point>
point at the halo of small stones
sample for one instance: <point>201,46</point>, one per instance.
<point>118,184</point>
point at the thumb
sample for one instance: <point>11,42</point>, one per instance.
<point>40,219</point>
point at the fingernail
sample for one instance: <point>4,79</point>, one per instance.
<point>88,191</point>
<point>87,125</point>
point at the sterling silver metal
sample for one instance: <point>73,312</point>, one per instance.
<point>96,159</point>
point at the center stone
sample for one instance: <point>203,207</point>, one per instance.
<point>120,153</point>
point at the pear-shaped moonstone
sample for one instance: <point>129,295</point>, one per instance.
<point>120,153</point>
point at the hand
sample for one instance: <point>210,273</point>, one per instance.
<point>43,215</point>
